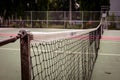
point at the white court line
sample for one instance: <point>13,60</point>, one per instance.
<point>109,41</point>
<point>108,54</point>
<point>11,49</point>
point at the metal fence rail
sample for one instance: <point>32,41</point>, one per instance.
<point>60,19</point>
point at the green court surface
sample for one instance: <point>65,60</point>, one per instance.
<point>107,66</point>
<point>10,62</point>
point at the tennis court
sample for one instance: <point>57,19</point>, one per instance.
<point>71,55</point>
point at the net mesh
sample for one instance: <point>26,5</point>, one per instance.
<point>64,59</point>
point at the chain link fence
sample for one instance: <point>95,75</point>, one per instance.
<point>113,20</point>
<point>55,19</point>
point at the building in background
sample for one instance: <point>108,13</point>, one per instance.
<point>115,13</point>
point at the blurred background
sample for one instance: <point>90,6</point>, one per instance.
<point>69,14</point>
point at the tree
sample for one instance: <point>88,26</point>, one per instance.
<point>17,7</point>
<point>105,2</point>
<point>112,23</point>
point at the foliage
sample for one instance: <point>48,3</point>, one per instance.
<point>12,8</point>
<point>112,24</point>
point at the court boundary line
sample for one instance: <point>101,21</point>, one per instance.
<point>110,41</point>
<point>108,54</point>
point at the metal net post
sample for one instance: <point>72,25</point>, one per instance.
<point>25,55</point>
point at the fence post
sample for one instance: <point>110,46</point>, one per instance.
<point>82,19</point>
<point>25,38</point>
<point>65,22</point>
<point>31,18</point>
<point>47,18</point>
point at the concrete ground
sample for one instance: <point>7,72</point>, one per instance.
<point>107,66</point>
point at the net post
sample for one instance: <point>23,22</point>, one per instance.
<point>25,54</point>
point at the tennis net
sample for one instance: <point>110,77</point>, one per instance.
<point>65,55</point>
